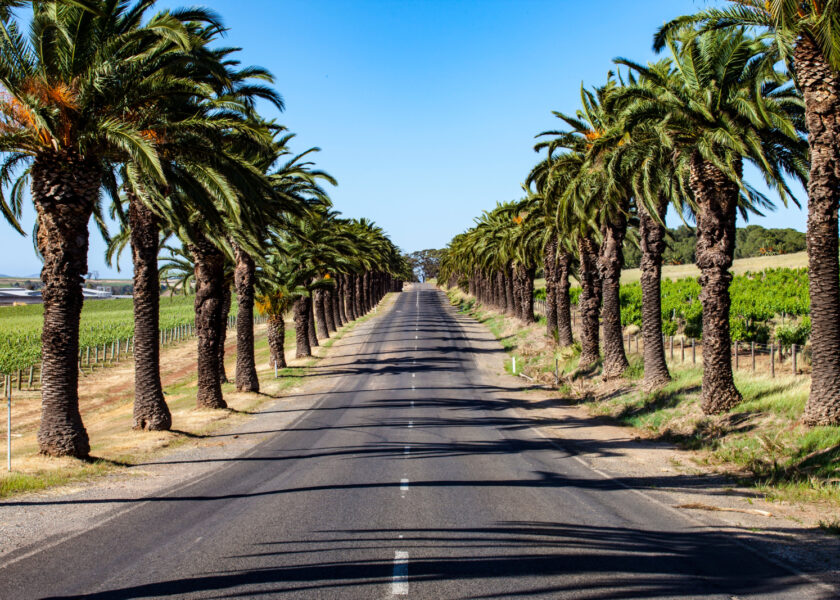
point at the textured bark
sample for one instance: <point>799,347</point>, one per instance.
<point>367,303</point>
<point>244,281</point>
<point>301,313</point>
<point>358,298</point>
<point>717,200</point>
<point>335,306</point>
<point>610,262</point>
<point>209,300</point>
<point>227,299</point>
<point>150,409</point>
<point>277,341</point>
<point>320,314</point>
<point>652,242</point>
<point>328,310</point>
<point>64,189</point>
<point>310,328</point>
<point>501,297</point>
<point>550,268</point>
<point>589,302</point>
<point>527,291</point>
<point>564,303</point>
<point>510,297</point>
<point>342,300</point>
<point>821,91</point>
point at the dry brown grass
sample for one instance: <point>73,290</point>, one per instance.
<point>106,398</point>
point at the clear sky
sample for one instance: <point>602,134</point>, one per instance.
<point>425,110</point>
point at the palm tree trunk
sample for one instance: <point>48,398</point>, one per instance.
<point>64,189</point>
<point>589,302</point>
<point>301,312</point>
<point>611,260</point>
<point>821,91</point>
<point>277,341</point>
<point>209,301</point>
<point>499,279</point>
<point>527,289</point>
<point>564,303</point>
<point>335,305</point>
<point>550,269</point>
<point>320,314</point>
<point>226,302</point>
<point>717,200</point>
<point>310,329</point>
<point>244,281</point>
<point>367,302</point>
<point>328,310</point>
<point>342,300</point>
<point>652,242</point>
<point>150,410</point>
<point>510,296</point>
<point>358,299</point>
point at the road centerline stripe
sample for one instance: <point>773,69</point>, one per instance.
<point>399,583</point>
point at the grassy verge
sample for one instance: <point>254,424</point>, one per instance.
<point>760,442</point>
<point>107,403</point>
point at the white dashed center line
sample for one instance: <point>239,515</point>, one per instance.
<point>407,450</point>
<point>410,424</point>
<point>399,584</point>
<point>403,484</point>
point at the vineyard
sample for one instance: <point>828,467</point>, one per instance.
<point>768,305</point>
<point>103,322</point>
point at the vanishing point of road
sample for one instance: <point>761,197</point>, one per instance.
<point>410,477</point>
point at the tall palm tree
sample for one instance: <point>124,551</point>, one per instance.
<point>724,105</point>
<point>69,125</point>
<point>656,181</point>
<point>808,34</point>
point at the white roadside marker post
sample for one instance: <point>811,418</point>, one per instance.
<point>9,423</point>
<point>514,365</point>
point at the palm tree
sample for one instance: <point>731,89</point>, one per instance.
<point>186,122</point>
<point>808,34</point>
<point>656,182</point>
<point>725,104</point>
<point>69,126</point>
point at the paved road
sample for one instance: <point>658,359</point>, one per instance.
<point>408,478</point>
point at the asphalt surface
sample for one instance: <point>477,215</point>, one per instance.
<point>409,478</point>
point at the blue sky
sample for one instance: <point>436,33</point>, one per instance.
<point>425,110</point>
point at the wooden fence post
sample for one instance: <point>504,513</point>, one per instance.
<point>793,357</point>
<point>736,354</point>
<point>752,355</point>
<point>693,352</point>
<point>772,359</point>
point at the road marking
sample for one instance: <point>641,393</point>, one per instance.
<point>403,484</point>
<point>407,450</point>
<point>412,404</point>
<point>399,584</point>
<point>412,386</point>
<point>415,337</point>
<point>414,374</point>
<point>410,424</point>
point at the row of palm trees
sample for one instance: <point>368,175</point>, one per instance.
<point>110,99</point>
<point>758,83</point>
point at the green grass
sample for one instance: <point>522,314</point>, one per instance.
<point>17,483</point>
<point>103,321</point>
<point>760,441</point>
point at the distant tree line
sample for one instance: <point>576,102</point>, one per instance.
<point>750,241</point>
<point>426,263</point>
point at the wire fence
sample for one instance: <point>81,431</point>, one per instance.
<point>772,358</point>
<point>93,358</point>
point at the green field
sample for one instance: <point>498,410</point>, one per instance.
<point>103,322</point>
